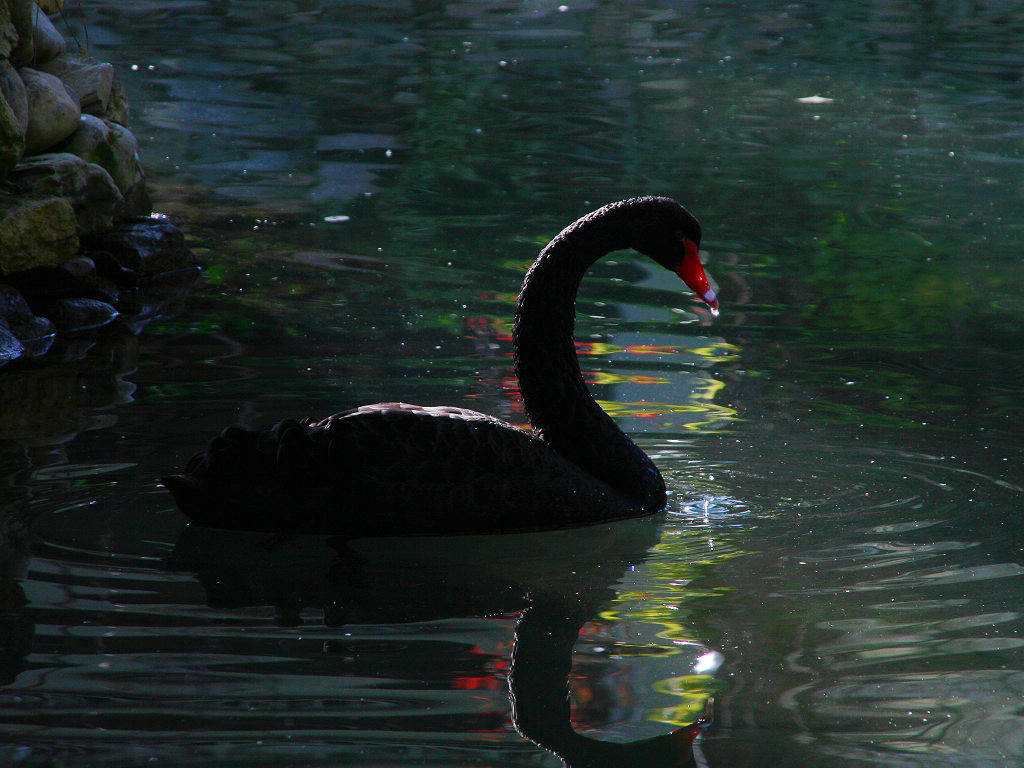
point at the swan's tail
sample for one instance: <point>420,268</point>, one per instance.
<point>186,490</point>
<point>248,471</point>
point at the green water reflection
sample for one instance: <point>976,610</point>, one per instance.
<point>366,184</point>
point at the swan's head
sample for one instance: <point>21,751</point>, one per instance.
<point>670,235</point>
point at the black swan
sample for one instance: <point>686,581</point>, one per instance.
<point>393,469</point>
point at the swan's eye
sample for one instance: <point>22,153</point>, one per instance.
<point>685,239</point>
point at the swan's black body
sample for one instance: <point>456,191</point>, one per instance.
<point>399,469</point>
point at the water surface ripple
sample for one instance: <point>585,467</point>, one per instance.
<point>840,565</point>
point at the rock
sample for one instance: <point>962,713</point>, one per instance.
<point>109,268</point>
<point>76,315</point>
<point>149,266</point>
<point>42,286</point>
<point>91,79</point>
<point>118,110</point>
<point>22,12</point>
<point>147,246</point>
<point>137,202</point>
<point>47,42</point>
<point>35,231</point>
<point>13,91</point>
<point>82,271</point>
<point>12,140</point>
<point>13,307</point>
<point>53,110</point>
<point>89,188</point>
<point>34,334</point>
<point>8,33</point>
<point>81,267</point>
<point>10,347</point>
<point>109,145</point>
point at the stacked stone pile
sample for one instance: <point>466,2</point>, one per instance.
<point>78,246</point>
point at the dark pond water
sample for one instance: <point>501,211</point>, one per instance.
<point>841,566</point>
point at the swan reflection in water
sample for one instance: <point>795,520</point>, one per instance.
<point>555,581</point>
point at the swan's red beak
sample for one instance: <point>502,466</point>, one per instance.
<point>691,271</point>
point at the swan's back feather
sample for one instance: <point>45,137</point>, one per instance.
<point>391,468</point>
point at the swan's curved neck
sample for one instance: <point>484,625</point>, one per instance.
<point>562,410</point>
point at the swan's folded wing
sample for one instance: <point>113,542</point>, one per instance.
<point>390,469</point>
